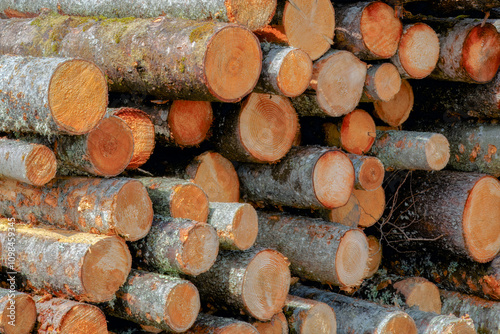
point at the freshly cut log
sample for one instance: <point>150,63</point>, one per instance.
<point>418,291</point>
<point>418,51</point>
<point>307,177</point>
<point>377,319</point>
<point>370,30</point>
<point>164,302</point>
<point>374,255</point>
<point>452,5</point>
<point>236,224</point>
<point>18,311</point>
<point>397,110</point>
<point>371,204</point>
<point>429,323</point>
<point>382,82</point>
<point>176,198</point>
<point>348,214</point>
<point>411,150</point>
<point>255,282</point>
<point>196,54</point>
<point>259,130</point>
<point>50,95</point>
<point>177,245</point>
<point>285,70</point>
<point>83,266</point>
<point>277,325</point>
<point>26,162</point>
<point>105,206</point>
<point>308,316</point>
<point>209,324</point>
<point>317,250</point>
<point>369,172</point>
<point>57,315</point>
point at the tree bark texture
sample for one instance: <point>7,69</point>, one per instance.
<point>309,316</point>
<point>430,322</point>
<point>18,311</point>
<point>209,324</point>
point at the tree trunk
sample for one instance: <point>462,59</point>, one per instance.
<point>277,325</point>
<point>185,59</point>
<point>26,162</point>
<point>397,110</point>
<point>369,172</point>
<point>18,311</point>
<point>382,82</point>
<point>429,323</point>
<point>83,266</point>
<point>177,245</point>
<point>376,319</point>
<point>254,281</point>
<point>209,324</point>
<point>236,224</point>
<point>105,206</point>
<point>317,250</point>
<point>374,255</point>
<point>307,177</point>
<point>309,316</point>
<point>371,204</point>
<point>50,95</point>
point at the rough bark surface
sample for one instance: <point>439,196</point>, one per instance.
<point>18,311</point>
<point>429,322</point>
<point>209,324</point>
<point>309,316</point>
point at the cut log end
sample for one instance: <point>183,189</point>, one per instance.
<point>190,121</point>
<point>385,84</point>
<point>78,96</point>
<point>480,220</point>
<point>352,258</point>
<point>460,326</point>
<point>371,174</point>
<point>437,152</point>
<point>348,214</point>
<point>357,133</point>
<point>481,53</point>
<point>183,306</point>
<point>319,320</point>
<point>199,250</point>
<point>189,201</point>
<point>295,73</point>
<point>372,205</point>
<point>41,165</point>
<point>397,110</point>
<point>254,14</point>
<point>397,323</point>
<point>25,316</point>
<point>245,227</point>
<point>374,256</point>
<point>233,62</point>
<point>421,293</point>
<point>240,328</point>
<point>84,318</point>
<point>277,325</point>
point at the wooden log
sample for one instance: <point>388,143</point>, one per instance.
<point>254,281</point>
<point>317,250</point>
<point>411,150</point>
<point>259,130</point>
<point>18,311</point>
<point>429,322</point>
<point>209,324</point>
<point>83,266</point>
<point>374,255</point>
<point>236,224</point>
<point>418,291</point>
<point>397,110</point>
<point>26,162</point>
<point>348,214</point>
<point>196,54</point>
<point>51,95</point>
<point>107,206</point>
<point>307,177</point>
<point>369,172</point>
<point>448,6</point>
<point>370,30</point>
<point>277,325</point>
<point>382,82</point>
<point>378,319</point>
<point>309,316</point>
<point>371,204</point>
<point>177,245</point>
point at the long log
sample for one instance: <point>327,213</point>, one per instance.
<point>255,282</point>
<point>185,59</point>
<point>277,325</point>
<point>429,322</point>
<point>369,172</point>
<point>50,95</point>
<point>105,206</point>
<point>209,324</point>
<point>18,311</point>
<point>83,266</point>
<point>382,82</point>
<point>309,316</point>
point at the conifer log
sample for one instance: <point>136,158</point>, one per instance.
<point>261,129</point>
<point>382,82</point>
<point>83,266</point>
<point>26,162</point>
<point>369,172</point>
<point>411,150</point>
<point>308,316</point>
<point>376,319</point>
<point>429,323</point>
<point>255,282</point>
<point>370,30</point>
<point>374,255</point>
<point>18,312</point>
<point>348,214</point>
<point>105,206</point>
<point>236,224</point>
<point>196,54</point>
<point>397,110</point>
<point>317,250</point>
<point>371,205</point>
<point>177,245</point>
<point>209,324</point>
<point>176,198</point>
<point>277,325</point>
<point>50,96</point>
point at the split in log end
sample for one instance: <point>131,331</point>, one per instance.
<point>295,73</point>
<point>372,205</point>
<point>384,84</point>
<point>190,121</point>
<point>398,323</point>
<point>420,292</point>
<point>481,53</point>
<point>190,202</point>
<point>245,227</point>
<point>251,14</point>
<point>183,307</point>
<point>199,250</point>
<point>374,256</point>
<point>358,132</point>
<point>83,318</point>
<point>437,152</point>
<point>397,110</point>
<point>371,174</point>
<point>41,165</point>
<point>352,258</point>
<point>25,315</point>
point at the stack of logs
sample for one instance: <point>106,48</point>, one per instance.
<point>261,166</point>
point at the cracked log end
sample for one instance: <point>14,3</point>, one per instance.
<point>481,53</point>
<point>437,152</point>
<point>189,121</point>
<point>372,205</point>
<point>199,250</point>
<point>382,82</point>
<point>253,14</point>
<point>351,258</point>
<point>358,132</point>
<point>397,323</point>
<point>371,174</point>
<point>374,256</point>
<point>78,96</point>
<point>189,201</point>
<point>25,315</point>
<point>396,111</point>
<point>420,292</point>
<point>183,306</point>
<point>295,73</point>
<point>41,165</point>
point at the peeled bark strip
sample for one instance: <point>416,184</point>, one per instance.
<point>83,266</point>
<point>307,177</point>
<point>370,30</point>
<point>209,324</point>
<point>164,302</point>
<point>26,162</point>
<point>254,281</point>
<point>374,256</point>
<point>382,82</point>
<point>397,110</point>
<point>376,319</point>
<point>317,250</point>
<point>50,95</point>
<point>261,130</point>
<point>411,150</point>
<point>184,59</point>
<point>236,224</point>
<point>176,198</point>
<point>369,172</point>
<point>371,205</point>
<point>348,214</point>
<point>429,323</point>
<point>277,325</point>
<point>18,312</point>
<point>105,206</point>
<point>308,316</point>
<point>420,292</point>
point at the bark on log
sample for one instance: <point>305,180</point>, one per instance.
<point>277,325</point>
<point>377,319</point>
<point>308,316</point>
<point>209,324</point>
<point>105,206</point>
<point>348,214</point>
<point>382,83</point>
<point>18,311</point>
<point>26,162</point>
<point>397,110</point>
<point>50,95</point>
<point>429,322</point>
<point>185,59</point>
<point>260,130</point>
<point>254,281</point>
<point>236,224</point>
<point>369,172</point>
<point>374,256</point>
<point>317,250</point>
<point>371,204</point>
<point>83,266</point>
<point>177,245</point>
